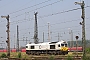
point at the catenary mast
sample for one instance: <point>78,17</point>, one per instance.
<point>36,29</point>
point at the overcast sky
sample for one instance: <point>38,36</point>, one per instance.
<point>49,11</point>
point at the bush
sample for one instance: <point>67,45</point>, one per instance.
<point>19,55</point>
<point>51,58</point>
<point>69,58</point>
<point>88,50</point>
<point>87,58</point>
<point>3,55</point>
<point>25,57</point>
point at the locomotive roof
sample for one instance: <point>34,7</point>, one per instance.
<point>57,42</point>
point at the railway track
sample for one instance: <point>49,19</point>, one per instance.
<point>46,58</point>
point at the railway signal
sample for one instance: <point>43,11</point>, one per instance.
<point>77,44</point>
<point>8,37</point>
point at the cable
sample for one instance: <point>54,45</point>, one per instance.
<point>72,10</point>
<point>61,12</point>
<point>76,30</point>
<point>61,28</point>
<point>37,9</point>
<point>52,14</point>
<point>55,24</point>
<point>30,6</point>
<point>55,29</point>
<point>30,1</point>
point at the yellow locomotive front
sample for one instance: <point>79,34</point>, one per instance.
<point>64,48</point>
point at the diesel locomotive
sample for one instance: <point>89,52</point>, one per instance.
<point>56,48</point>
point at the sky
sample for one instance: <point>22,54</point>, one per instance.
<point>22,12</point>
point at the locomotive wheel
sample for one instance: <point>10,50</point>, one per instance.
<point>54,53</point>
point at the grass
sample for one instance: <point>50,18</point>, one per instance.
<point>24,55</point>
<point>15,54</point>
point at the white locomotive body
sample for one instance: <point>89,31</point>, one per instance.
<point>59,47</point>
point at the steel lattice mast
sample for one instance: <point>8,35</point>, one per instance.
<point>36,30</point>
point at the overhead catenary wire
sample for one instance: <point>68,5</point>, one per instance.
<point>18,21</point>
<point>29,7</point>
<point>48,15</point>
<point>59,31</point>
<point>67,27</point>
<point>59,23</point>
<point>36,9</point>
<point>61,12</point>
<point>28,29</point>
<point>77,30</point>
<point>55,24</point>
<point>56,13</point>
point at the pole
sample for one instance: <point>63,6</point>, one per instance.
<point>71,38</point>
<point>8,37</point>
<point>43,36</point>
<point>14,41</point>
<point>36,30</point>
<point>58,37</point>
<point>48,32</point>
<point>70,32</point>
<point>26,40</point>
<point>77,45</point>
<point>17,39</point>
<point>29,38</point>
<point>83,30</point>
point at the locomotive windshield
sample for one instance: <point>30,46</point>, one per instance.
<point>64,45</point>
<point>59,45</point>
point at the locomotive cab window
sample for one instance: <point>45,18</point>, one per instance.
<point>26,46</point>
<point>32,47</point>
<point>52,46</point>
<point>65,45</point>
<point>58,45</point>
<point>62,44</point>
